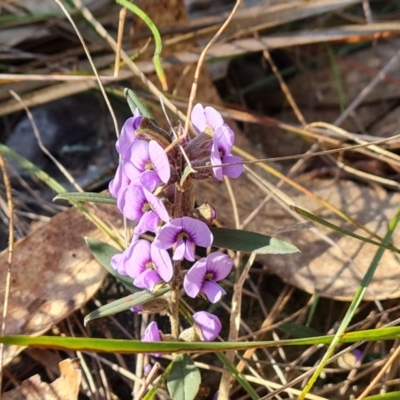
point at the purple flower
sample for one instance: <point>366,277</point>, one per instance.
<point>147,156</point>
<point>183,233</point>
<point>128,134</point>
<point>152,334</point>
<point>223,141</point>
<point>147,265</point>
<point>139,204</point>
<point>204,274</point>
<point>118,263</point>
<point>209,325</point>
<point>206,119</point>
<point>120,181</point>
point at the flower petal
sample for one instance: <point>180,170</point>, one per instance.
<point>213,291</point>
<point>180,250</point>
<point>198,231</point>
<point>128,134</point>
<point>160,161</point>
<point>152,334</point>
<point>195,277</point>
<point>157,205</point>
<point>120,181</point>
<point>148,223</point>
<point>166,237</point>
<point>137,257</point>
<point>139,155</point>
<point>198,118</point>
<point>232,171</point>
<point>118,263</point>
<point>162,263</point>
<point>213,118</point>
<point>131,201</point>
<point>209,325</point>
<point>216,161</point>
<point>220,265</point>
<point>189,250</point>
<point>149,180</point>
<point>224,138</point>
<point>147,279</point>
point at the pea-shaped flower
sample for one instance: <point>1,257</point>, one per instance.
<point>208,324</point>
<point>204,275</point>
<point>152,334</point>
<point>183,234</point>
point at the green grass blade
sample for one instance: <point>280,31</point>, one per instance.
<point>157,38</point>
<point>136,346</point>
<point>354,304</point>
<point>336,228</point>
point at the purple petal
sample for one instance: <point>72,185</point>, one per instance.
<point>213,291</point>
<point>194,279</point>
<point>189,251</point>
<point>137,257</point>
<point>180,250</point>
<point>216,162</point>
<point>128,134</point>
<point>120,181</point>
<point>209,325</point>
<point>131,201</point>
<point>213,118</point>
<point>166,237</point>
<point>118,263</point>
<point>148,223</point>
<point>220,265</point>
<point>232,171</point>
<point>198,231</point>
<point>198,118</point>
<point>160,161</point>
<point>139,155</point>
<point>149,180</point>
<point>156,205</point>
<point>137,308</point>
<point>162,263</point>
<point>147,279</point>
<point>152,334</point>
<point>224,139</point>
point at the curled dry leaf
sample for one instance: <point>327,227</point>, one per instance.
<point>66,387</point>
<point>53,272</point>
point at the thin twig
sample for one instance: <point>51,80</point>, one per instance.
<point>9,260</point>
<point>89,57</point>
<point>200,64</point>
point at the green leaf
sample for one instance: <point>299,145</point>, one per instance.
<point>299,331</point>
<point>125,303</point>
<point>103,253</point>
<point>165,347</point>
<point>184,379</point>
<point>135,103</point>
<point>88,197</point>
<point>250,242</point>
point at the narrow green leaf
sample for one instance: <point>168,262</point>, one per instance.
<point>135,103</point>
<point>125,303</point>
<point>104,198</point>
<point>299,331</point>
<point>103,253</point>
<point>250,242</point>
<point>165,347</point>
<point>239,377</point>
<point>184,379</point>
<point>336,228</point>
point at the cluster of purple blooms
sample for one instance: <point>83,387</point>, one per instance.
<point>153,189</point>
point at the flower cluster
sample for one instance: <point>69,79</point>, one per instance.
<point>153,189</point>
